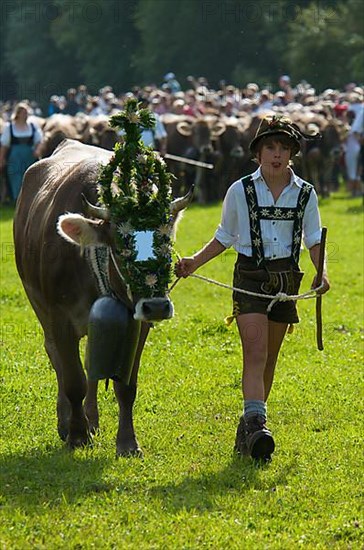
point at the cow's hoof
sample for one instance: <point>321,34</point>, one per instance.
<point>93,421</point>
<point>62,432</point>
<point>131,452</point>
<point>80,440</point>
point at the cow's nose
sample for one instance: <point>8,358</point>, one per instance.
<point>237,152</point>
<point>157,309</point>
<point>207,148</point>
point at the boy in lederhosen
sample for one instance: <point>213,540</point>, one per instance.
<point>265,216</point>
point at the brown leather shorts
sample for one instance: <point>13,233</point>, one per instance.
<point>276,276</point>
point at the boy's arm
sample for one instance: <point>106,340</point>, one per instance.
<point>315,254</point>
<point>187,266</point>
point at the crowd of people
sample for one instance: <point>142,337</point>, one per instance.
<point>21,130</point>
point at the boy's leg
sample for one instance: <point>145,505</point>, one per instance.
<point>254,331</point>
<point>253,437</point>
<point>276,333</point>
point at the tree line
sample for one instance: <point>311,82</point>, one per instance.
<point>49,46</point>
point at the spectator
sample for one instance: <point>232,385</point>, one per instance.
<point>157,137</point>
<point>178,107</point>
<point>71,107</point>
<point>171,83</point>
<point>353,153</point>
<point>265,102</point>
<point>53,106</point>
<point>19,147</point>
<point>284,83</point>
<point>82,97</point>
<point>94,107</point>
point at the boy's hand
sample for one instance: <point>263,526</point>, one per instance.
<point>185,267</point>
<point>325,283</point>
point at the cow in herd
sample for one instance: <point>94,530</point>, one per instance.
<point>218,140</point>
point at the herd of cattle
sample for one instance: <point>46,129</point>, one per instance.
<point>219,140</point>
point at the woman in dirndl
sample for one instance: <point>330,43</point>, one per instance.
<point>19,147</point>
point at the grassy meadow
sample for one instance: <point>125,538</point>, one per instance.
<point>190,491</point>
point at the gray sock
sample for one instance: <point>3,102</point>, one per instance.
<point>253,407</point>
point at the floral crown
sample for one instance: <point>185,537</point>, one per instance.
<point>135,186</point>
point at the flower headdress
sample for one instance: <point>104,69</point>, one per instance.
<point>135,186</point>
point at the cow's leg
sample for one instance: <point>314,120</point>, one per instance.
<point>91,406</point>
<point>63,404</point>
<point>73,379</point>
<point>126,442</point>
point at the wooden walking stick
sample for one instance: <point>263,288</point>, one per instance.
<point>320,269</point>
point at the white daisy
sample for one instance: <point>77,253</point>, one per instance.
<point>115,189</point>
<point>142,159</point>
<point>151,280</point>
<point>164,229</point>
<point>165,250</point>
<point>134,118</point>
<point>125,228</point>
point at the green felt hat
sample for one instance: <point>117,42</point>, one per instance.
<point>279,125</point>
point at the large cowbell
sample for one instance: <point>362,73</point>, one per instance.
<point>113,337</point>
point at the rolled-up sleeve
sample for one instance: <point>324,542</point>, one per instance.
<point>312,222</point>
<point>227,231</point>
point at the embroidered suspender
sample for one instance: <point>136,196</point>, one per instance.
<point>257,213</point>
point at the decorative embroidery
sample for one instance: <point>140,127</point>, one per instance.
<point>98,259</point>
<point>257,213</point>
<point>302,201</point>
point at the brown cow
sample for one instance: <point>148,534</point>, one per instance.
<point>64,285</point>
<point>193,138</point>
<point>59,127</point>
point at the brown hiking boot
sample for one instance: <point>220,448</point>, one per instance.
<point>240,446</point>
<point>259,440</point>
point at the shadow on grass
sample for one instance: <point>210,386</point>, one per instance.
<point>357,209</point>
<point>53,477</point>
<point>200,493</point>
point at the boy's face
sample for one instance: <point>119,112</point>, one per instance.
<point>274,157</point>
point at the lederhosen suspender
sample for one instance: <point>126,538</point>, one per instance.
<point>257,213</point>
<point>17,140</point>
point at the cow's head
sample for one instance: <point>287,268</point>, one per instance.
<point>143,258</point>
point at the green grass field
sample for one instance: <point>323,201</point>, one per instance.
<point>190,491</point>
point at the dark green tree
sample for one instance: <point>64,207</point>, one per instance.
<point>326,44</point>
<point>206,38</point>
<point>101,36</point>
<point>39,66</point>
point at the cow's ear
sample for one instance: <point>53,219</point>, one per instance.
<point>79,230</point>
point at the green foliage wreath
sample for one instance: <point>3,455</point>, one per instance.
<point>136,188</point>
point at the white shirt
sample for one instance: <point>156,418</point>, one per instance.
<point>148,136</point>
<point>6,136</point>
<point>234,229</point>
<point>358,124</point>
<point>159,132</point>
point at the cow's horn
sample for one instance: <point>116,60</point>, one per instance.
<point>182,202</point>
<point>99,212</point>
